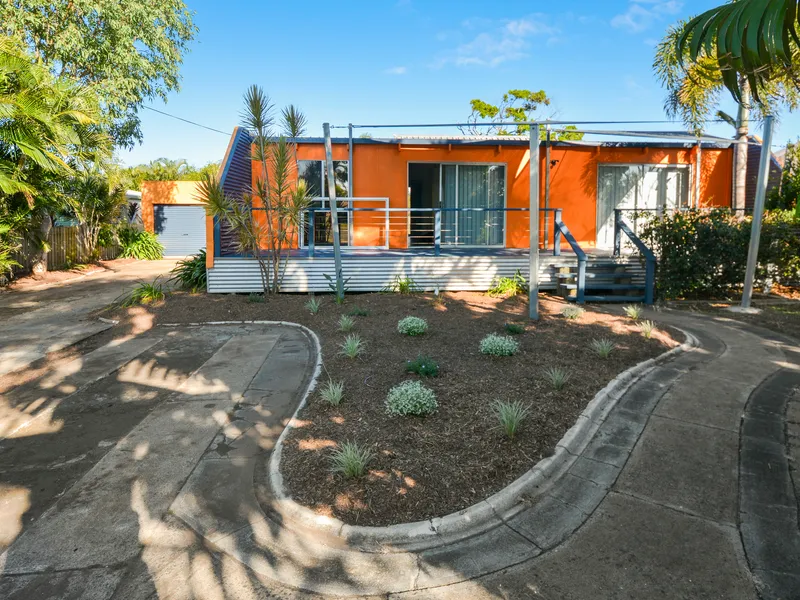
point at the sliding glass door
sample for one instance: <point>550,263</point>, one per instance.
<point>465,186</point>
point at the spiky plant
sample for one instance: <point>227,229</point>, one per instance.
<point>190,273</point>
<point>333,392</point>
<point>352,347</point>
<point>602,347</point>
<point>346,323</point>
<point>350,459</point>
<point>143,293</point>
<point>557,377</point>
<point>313,306</point>
<point>511,415</point>
<point>647,328</point>
<point>633,311</point>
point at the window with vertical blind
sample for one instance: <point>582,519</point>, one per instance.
<point>638,187</point>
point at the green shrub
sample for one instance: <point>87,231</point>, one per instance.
<point>143,293</point>
<point>424,366</point>
<point>190,273</point>
<point>508,286</point>
<point>633,311</point>
<point>313,306</point>
<point>704,253</point>
<point>350,459</point>
<point>557,377</point>
<point>510,415</point>
<point>346,323</point>
<point>357,311</point>
<point>499,345</point>
<point>514,328</point>
<point>352,347</point>
<point>412,326</point>
<point>256,298</point>
<point>402,285</point>
<point>573,313</point>
<point>333,392</point>
<point>411,398</point>
<point>141,245</point>
<point>602,347</point>
<point>647,327</point>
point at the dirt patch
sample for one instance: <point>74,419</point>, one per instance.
<point>427,467</point>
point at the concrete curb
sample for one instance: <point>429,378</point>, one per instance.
<point>477,518</point>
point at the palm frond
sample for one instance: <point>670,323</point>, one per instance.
<point>294,121</point>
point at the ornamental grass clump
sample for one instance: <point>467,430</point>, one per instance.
<point>353,346</point>
<point>346,323</point>
<point>510,415</point>
<point>557,377</point>
<point>411,398</point>
<point>633,311</point>
<point>499,345</point>
<point>412,326</point>
<point>573,313</point>
<point>647,327</point>
<point>333,392</point>
<point>143,293</point>
<point>350,459</point>
<point>313,306</point>
<point>602,347</point>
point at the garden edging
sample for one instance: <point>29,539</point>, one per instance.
<point>480,517</point>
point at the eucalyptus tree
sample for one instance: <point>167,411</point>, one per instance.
<point>131,51</point>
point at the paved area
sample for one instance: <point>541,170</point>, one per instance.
<point>151,483</point>
<point>37,321</point>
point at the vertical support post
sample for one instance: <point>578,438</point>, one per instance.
<point>617,232</point>
<point>311,233</point>
<point>649,281</point>
<point>758,212</point>
<point>437,231</point>
<point>698,176</point>
<point>557,232</point>
<point>580,293</point>
<point>334,206</point>
<point>350,178</point>
<point>546,185</point>
<point>533,258</point>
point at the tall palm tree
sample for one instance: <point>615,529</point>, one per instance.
<point>695,82</point>
<point>752,41</point>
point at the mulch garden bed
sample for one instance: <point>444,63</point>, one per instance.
<point>431,466</point>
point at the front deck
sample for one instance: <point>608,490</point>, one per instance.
<point>372,270</point>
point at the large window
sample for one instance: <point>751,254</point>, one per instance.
<point>458,186</point>
<point>314,173</point>
<point>652,188</point>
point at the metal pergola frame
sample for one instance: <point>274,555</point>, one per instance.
<point>534,142</point>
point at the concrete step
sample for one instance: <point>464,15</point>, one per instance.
<point>589,298</point>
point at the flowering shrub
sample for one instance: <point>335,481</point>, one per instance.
<point>411,398</point>
<point>412,326</point>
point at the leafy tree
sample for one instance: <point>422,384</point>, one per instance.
<point>96,204</point>
<point>694,84</point>
<point>132,51</point>
<point>752,42</point>
<point>519,106</point>
<point>48,126</point>
<point>165,169</point>
<point>787,195</point>
<point>267,220</point>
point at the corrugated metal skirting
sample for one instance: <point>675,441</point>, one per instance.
<point>375,273</point>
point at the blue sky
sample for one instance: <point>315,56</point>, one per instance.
<point>415,61</point>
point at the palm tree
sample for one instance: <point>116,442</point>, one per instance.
<point>96,203</point>
<point>694,84</point>
<point>753,42</point>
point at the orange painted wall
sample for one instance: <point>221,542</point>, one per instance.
<point>381,170</point>
<point>168,192</point>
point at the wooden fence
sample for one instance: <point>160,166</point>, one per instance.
<point>65,250</point>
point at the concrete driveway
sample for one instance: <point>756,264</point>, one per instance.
<point>36,321</point>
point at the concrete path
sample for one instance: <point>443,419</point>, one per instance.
<point>685,492</point>
<point>35,322</point>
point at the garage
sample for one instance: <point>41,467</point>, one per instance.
<point>181,229</point>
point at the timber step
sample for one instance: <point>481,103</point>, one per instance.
<point>606,281</point>
<point>604,286</point>
<point>604,298</point>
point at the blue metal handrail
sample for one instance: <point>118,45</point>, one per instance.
<point>620,227</point>
<point>559,229</point>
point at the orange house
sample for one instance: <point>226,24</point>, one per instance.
<point>454,212</point>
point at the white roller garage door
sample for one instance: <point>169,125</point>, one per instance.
<point>180,229</point>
